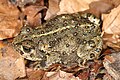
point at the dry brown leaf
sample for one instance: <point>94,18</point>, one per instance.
<point>59,75</point>
<point>72,6</point>
<point>112,65</point>
<point>112,41</point>
<point>111,29</point>
<point>101,6</point>
<point>110,38</point>
<point>109,59</point>
<point>111,23</point>
<point>96,66</point>
<point>9,23</point>
<point>106,52</point>
<point>84,75</point>
<point>11,68</point>
<point>35,74</point>
<point>115,46</point>
<point>11,63</point>
<point>116,2</point>
<point>53,8</point>
<point>22,3</point>
<point>33,15</point>
<point>63,6</point>
<point>107,77</point>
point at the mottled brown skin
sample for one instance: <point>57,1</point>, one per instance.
<point>67,39</point>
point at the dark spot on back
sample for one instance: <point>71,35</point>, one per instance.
<point>84,34</point>
<point>92,55</point>
<point>42,32</point>
<point>38,33</point>
<point>55,33</point>
<point>87,27</point>
<point>75,33</point>
<point>52,43</point>
<point>67,45</point>
<point>27,29</point>
<point>78,40</point>
<point>59,39</point>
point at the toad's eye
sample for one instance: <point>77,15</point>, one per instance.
<point>26,49</point>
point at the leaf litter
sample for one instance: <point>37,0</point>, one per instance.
<point>13,15</point>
